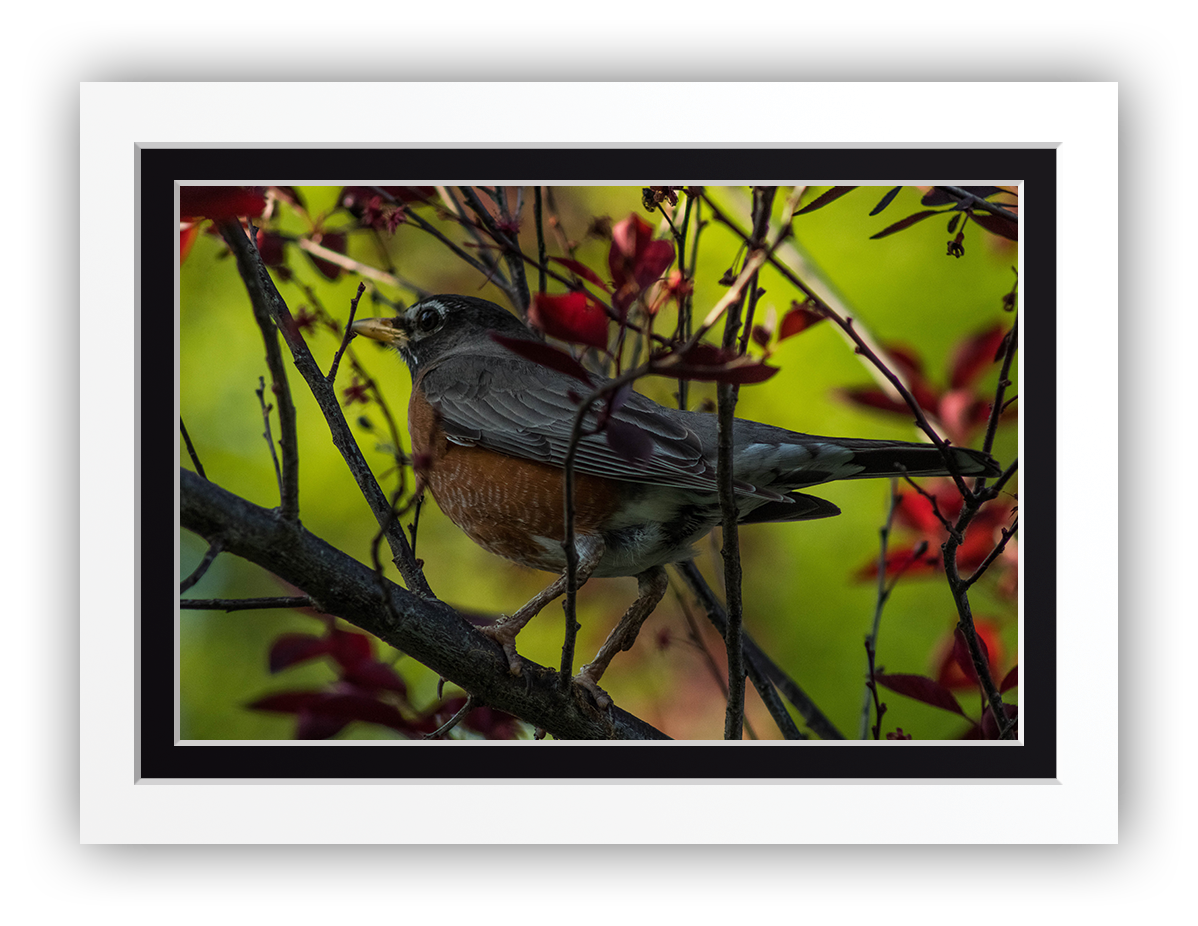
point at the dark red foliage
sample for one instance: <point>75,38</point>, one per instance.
<point>545,355</point>
<point>921,688</point>
<point>334,241</point>
<point>635,260</point>
<point>572,317</point>
<point>708,363</point>
<point>221,202</point>
<point>798,319</point>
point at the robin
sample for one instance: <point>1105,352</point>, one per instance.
<point>491,431</point>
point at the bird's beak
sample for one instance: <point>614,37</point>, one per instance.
<point>387,330</point>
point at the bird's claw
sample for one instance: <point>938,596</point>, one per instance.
<point>506,638</point>
<point>589,683</point>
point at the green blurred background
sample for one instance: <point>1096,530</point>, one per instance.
<point>803,604</point>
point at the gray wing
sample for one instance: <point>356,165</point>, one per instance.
<point>503,406</point>
<point>504,403</point>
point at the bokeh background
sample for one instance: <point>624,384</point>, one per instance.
<point>806,602</point>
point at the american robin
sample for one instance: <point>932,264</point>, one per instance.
<point>490,431</point>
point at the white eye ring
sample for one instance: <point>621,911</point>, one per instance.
<point>428,319</point>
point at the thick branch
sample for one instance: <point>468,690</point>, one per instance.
<point>429,631</point>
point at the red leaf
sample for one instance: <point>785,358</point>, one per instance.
<point>270,246</point>
<point>287,702</point>
<point>220,202</point>
<point>989,727</point>
<point>955,664</point>
<point>652,261</point>
<point>922,689</point>
<point>350,649</point>
<point>972,356</point>
<point>1011,681</point>
<point>996,225</point>
<point>906,223</point>
<point>374,676</point>
<point>188,232</point>
<point>291,648</point>
<point>360,707</point>
<point>582,270</point>
<point>799,318</point>
<point>628,237</point>
<point>708,363</point>
<point>334,242</point>
<point>545,355</point>
<point>824,198</point>
<point>875,398</point>
<point>573,317</point>
<point>634,259</point>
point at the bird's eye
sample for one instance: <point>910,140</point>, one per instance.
<point>428,320</point>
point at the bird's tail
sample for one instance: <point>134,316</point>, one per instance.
<point>900,458</point>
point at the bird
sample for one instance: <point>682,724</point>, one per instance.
<point>490,430</point>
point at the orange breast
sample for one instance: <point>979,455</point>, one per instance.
<point>503,503</point>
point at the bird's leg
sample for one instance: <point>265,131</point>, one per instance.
<point>590,549</point>
<point>651,587</point>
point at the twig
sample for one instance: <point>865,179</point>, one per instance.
<point>245,604</point>
<point>263,294</point>
<point>944,522</point>
<point>1004,380</point>
<point>270,445</point>
<point>726,395</point>
<point>569,604</point>
<point>517,288</point>
<point>538,219</point>
<point>969,201</point>
<point>959,589</point>
<point>270,325</point>
<point>993,554</point>
<point>191,451</point>
<point>762,670</point>
<point>871,639</point>
<point>355,266</point>
<point>215,546</point>
<point>471,703</point>
<point>697,641</point>
<point>348,335</point>
<point>871,694</point>
<point>730,512</point>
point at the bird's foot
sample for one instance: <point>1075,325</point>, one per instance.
<point>587,680</point>
<point>503,633</point>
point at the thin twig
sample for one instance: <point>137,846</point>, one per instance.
<point>270,326</point>
<point>349,333</point>
<point>993,554</point>
<point>944,522</point>
<point>871,694</point>
<point>214,549</point>
<point>245,604</point>
<point>762,670</point>
<point>871,639</point>
<point>260,392</point>
<point>471,703</point>
<point>263,293</point>
<point>355,266</point>
<point>970,200</point>
<point>195,458</point>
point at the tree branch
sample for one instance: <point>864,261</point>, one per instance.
<point>428,630</point>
